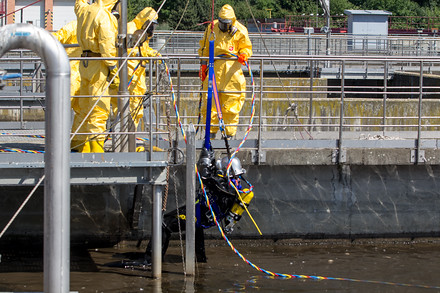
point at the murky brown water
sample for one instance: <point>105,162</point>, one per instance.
<point>411,262</point>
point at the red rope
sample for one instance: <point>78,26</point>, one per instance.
<point>212,17</point>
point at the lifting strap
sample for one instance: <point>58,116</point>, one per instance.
<point>211,81</point>
<point>213,92</point>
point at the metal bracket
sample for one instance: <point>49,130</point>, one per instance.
<point>420,156</point>
<point>336,158</point>
<point>258,157</point>
<point>121,41</point>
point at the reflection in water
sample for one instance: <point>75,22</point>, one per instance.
<point>399,261</point>
<point>157,286</point>
<point>189,284</point>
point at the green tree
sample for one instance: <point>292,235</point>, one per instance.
<point>337,7</point>
<point>200,11</point>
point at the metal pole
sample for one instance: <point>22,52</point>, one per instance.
<point>190,200</point>
<point>124,102</point>
<point>309,42</point>
<point>341,114</point>
<point>385,96</point>
<point>21,92</point>
<point>328,35</point>
<point>179,65</point>
<point>260,116</point>
<point>157,232</point>
<point>150,106</point>
<point>419,124</point>
<point>57,160</point>
<point>311,94</point>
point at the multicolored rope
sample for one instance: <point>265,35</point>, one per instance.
<point>15,150</point>
<point>22,135</point>
<point>176,110</point>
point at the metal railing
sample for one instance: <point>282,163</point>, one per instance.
<point>313,44</point>
<point>321,98</point>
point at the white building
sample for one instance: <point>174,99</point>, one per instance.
<point>49,14</point>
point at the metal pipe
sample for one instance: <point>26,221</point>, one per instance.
<point>419,123</point>
<point>341,114</point>
<point>385,95</point>
<point>150,107</point>
<point>124,103</point>
<point>190,201</point>
<point>57,160</point>
<point>157,232</point>
<point>21,91</point>
<point>311,94</point>
<point>260,111</point>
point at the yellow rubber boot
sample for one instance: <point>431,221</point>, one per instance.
<point>96,146</point>
<point>84,148</point>
<point>142,149</point>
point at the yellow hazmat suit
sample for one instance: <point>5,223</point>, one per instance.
<point>96,33</point>
<point>231,83</point>
<point>67,35</point>
<point>136,68</point>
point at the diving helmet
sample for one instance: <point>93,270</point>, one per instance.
<point>235,166</point>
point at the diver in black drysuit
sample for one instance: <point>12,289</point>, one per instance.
<point>222,199</point>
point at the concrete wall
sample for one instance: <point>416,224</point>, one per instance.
<point>291,200</point>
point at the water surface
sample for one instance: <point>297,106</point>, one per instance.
<point>413,262</point>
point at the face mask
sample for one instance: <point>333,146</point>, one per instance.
<point>140,37</point>
<point>225,25</point>
<point>150,30</point>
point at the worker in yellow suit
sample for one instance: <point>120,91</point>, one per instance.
<point>230,37</point>
<point>96,32</point>
<point>144,20</point>
<point>67,36</point>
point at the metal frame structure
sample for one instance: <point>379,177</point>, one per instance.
<point>285,112</point>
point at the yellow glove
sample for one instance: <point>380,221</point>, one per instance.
<point>113,74</point>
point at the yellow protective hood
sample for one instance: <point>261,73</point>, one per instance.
<point>227,12</point>
<point>146,14</point>
<point>107,4</point>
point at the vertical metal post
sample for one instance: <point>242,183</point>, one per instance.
<point>190,200</point>
<point>341,114</point>
<point>21,91</point>
<point>385,96</point>
<point>309,42</point>
<point>150,84</point>
<point>328,36</point>
<point>157,232</point>
<point>260,110</point>
<point>179,66</point>
<point>311,95</point>
<point>419,124</point>
<point>123,102</point>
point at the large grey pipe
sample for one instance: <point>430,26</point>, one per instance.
<point>57,160</point>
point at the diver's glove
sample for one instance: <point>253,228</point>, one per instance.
<point>113,74</point>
